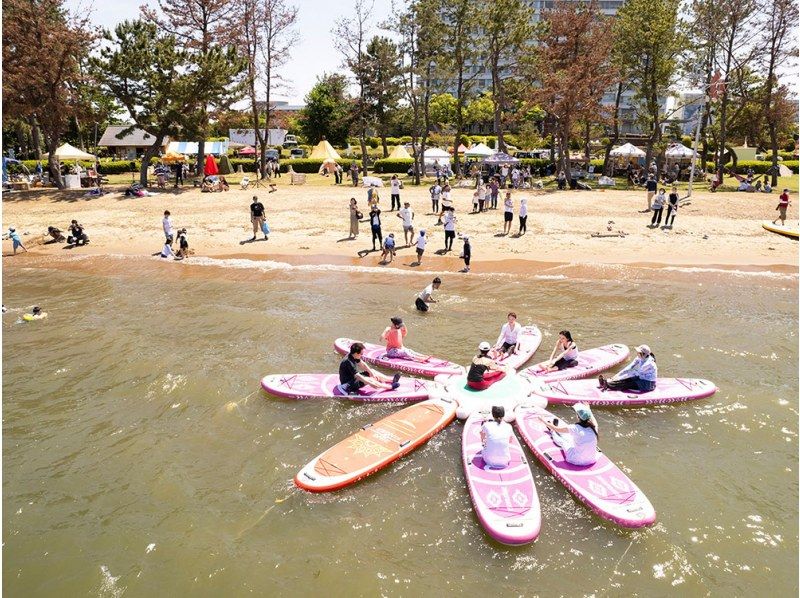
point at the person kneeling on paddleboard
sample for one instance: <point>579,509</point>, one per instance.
<point>355,374</point>
<point>567,352</point>
<point>579,440</point>
<point>393,337</point>
<point>484,371</point>
<point>496,438</point>
<point>641,374</point>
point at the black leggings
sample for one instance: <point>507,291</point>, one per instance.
<point>395,200</point>
<point>671,211</point>
<point>435,206</point>
<point>376,234</point>
<point>523,224</point>
<point>449,237</point>
<point>657,216</point>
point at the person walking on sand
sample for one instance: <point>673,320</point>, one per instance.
<point>166,223</point>
<point>406,214</point>
<point>395,185</point>
<point>508,213</point>
<point>651,185</point>
<point>672,208</point>
<point>354,173</point>
<point>783,204</point>
<point>466,253</point>
<point>257,217</point>
<point>375,224</point>
<point>355,216</point>
<point>426,296</point>
<point>658,208</point>
<point>523,217</point>
<point>14,236</point>
<point>481,197</point>
<point>422,240</point>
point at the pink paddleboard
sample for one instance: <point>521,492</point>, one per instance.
<point>505,500</point>
<point>530,337</point>
<point>590,363</point>
<point>322,386</point>
<point>604,488</point>
<point>668,390</point>
<point>376,354</point>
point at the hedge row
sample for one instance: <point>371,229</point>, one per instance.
<point>761,166</point>
<point>393,165</point>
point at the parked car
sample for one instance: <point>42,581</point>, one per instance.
<point>273,154</point>
<point>297,152</point>
<point>290,141</point>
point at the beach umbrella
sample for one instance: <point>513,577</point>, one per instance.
<point>225,165</point>
<point>211,166</point>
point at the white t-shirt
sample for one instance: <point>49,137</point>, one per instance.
<point>508,334</point>
<point>481,192</point>
<point>579,444</point>
<point>508,206</point>
<point>407,214</point>
<point>167,224</point>
<point>523,209</point>
<point>496,451</point>
<point>421,241</point>
<point>504,171</point>
<point>395,186</point>
<point>449,221</point>
<point>426,292</point>
<point>446,194</point>
<point>167,251</point>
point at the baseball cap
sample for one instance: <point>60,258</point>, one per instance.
<point>484,346</point>
<point>644,349</point>
<point>583,411</point>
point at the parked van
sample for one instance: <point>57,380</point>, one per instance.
<point>290,141</point>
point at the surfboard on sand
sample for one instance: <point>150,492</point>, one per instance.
<point>590,362</point>
<point>376,445</point>
<point>667,390</point>
<point>323,386</point>
<point>603,487</point>
<point>781,230</point>
<point>376,354</point>
<point>505,500</point>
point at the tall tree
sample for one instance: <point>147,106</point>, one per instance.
<point>780,19</point>
<point>198,25</point>
<point>47,96</point>
<point>162,86</point>
<point>650,40</point>
<point>574,69</point>
<point>350,38</point>
<point>383,83</point>
<point>509,30</point>
<point>461,53</point>
<point>327,111</point>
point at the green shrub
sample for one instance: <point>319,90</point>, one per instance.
<point>761,167</point>
<point>398,165</point>
<point>247,165</point>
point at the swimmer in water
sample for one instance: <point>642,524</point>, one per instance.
<point>36,314</point>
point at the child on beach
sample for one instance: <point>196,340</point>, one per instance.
<point>14,236</point>
<point>466,254</point>
<point>183,244</point>
<point>672,208</point>
<point>508,213</point>
<point>658,208</point>
<point>388,249</point>
<point>523,217</point>
<point>167,250</point>
<point>783,204</point>
<point>475,202</point>
<point>422,240</point>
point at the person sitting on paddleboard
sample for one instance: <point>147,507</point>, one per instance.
<point>484,371</point>
<point>355,374</point>
<point>393,337</point>
<point>641,374</point>
<point>578,440</point>
<point>567,354</point>
<point>508,341</point>
<point>496,438</point>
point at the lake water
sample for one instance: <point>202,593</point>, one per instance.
<point>140,456</point>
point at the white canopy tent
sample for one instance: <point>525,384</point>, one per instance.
<point>479,151</point>
<point>69,152</point>
<point>628,151</point>
<point>435,154</point>
<point>678,152</point>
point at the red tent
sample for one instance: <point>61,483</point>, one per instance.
<point>211,166</point>
<point>247,151</point>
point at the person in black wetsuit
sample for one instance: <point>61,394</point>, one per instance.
<point>354,374</point>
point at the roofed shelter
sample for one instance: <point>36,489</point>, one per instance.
<point>130,145</point>
<point>399,153</point>
<point>324,150</point>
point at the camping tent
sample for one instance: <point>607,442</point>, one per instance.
<point>434,154</point>
<point>479,151</point>
<point>628,150</point>
<point>678,151</point>
<point>399,153</point>
<point>501,158</point>
<point>68,152</point>
<point>324,150</point>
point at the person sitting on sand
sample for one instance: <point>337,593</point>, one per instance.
<point>484,371</point>
<point>578,440</point>
<point>393,336</point>
<point>508,341</point>
<point>640,374</point>
<point>355,374</point>
<point>77,236</point>
<point>496,437</point>
<point>564,355</point>
<point>168,252</point>
<point>58,236</point>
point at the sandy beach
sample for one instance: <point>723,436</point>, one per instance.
<point>310,224</point>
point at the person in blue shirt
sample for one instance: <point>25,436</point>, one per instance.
<point>14,236</point>
<point>639,375</point>
<point>388,249</point>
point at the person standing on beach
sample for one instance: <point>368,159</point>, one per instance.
<point>658,208</point>
<point>449,229</point>
<point>395,185</point>
<point>355,216</point>
<point>257,217</point>
<point>337,174</point>
<point>375,224</point>
<point>466,253</point>
<point>354,173</point>
<point>422,240</point>
<point>166,223</point>
<point>436,193</point>
<point>783,204</point>
<point>508,213</point>
<point>494,191</point>
<point>523,217</point>
<point>14,236</point>
<point>672,208</point>
<point>407,216</point>
<point>651,185</point>
<point>426,296</point>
